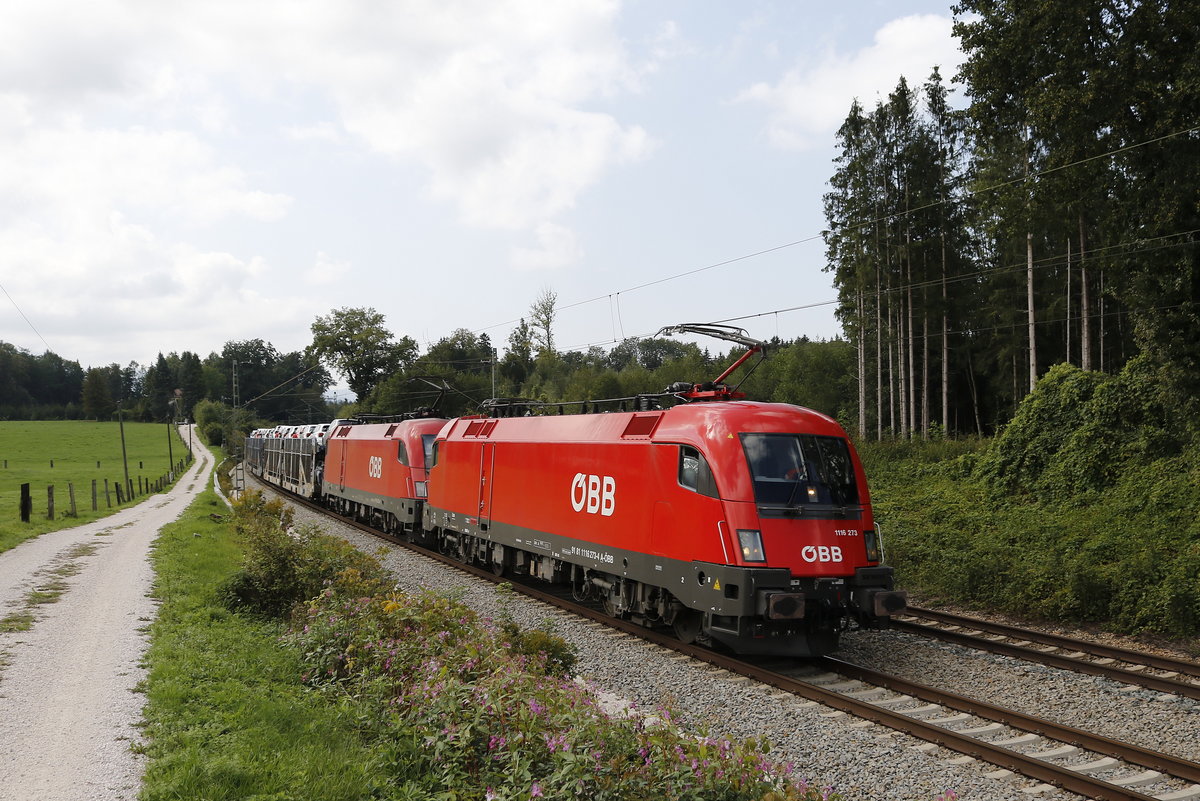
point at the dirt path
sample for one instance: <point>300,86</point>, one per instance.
<point>67,707</point>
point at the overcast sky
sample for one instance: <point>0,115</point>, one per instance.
<point>175,175</point>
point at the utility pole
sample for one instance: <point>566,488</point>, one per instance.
<point>237,469</point>
<point>124,456</point>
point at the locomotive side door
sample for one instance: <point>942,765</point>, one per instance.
<point>342,467</point>
<point>487,461</point>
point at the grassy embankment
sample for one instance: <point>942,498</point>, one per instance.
<point>1085,509</point>
<point>227,717</point>
<point>75,447</point>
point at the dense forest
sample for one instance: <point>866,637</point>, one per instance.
<point>48,387</point>
<point>1052,220</point>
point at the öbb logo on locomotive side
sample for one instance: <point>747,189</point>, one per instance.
<point>375,467</point>
<point>821,553</point>
<point>594,494</point>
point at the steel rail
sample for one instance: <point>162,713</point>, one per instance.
<point>1087,646</point>
<point>1167,763</point>
<point>1150,681</point>
<point>1017,762</point>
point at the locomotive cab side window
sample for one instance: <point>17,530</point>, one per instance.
<point>694,472</point>
<point>427,446</point>
<point>791,470</point>
<point>401,452</point>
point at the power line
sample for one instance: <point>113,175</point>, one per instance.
<point>1056,260</point>
<point>296,377</point>
<point>899,214</point>
<point>26,319</point>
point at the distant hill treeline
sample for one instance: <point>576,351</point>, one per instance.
<point>48,387</point>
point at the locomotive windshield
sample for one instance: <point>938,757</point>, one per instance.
<point>800,470</point>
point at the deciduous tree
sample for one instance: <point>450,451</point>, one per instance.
<point>356,344</point>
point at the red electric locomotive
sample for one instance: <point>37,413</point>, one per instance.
<point>377,472</point>
<point>741,523</point>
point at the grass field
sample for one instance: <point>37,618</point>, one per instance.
<point>75,448</point>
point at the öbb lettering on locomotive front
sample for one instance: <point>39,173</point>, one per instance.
<point>821,553</point>
<point>594,494</point>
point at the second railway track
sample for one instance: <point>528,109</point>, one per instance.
<point>1154,672</point>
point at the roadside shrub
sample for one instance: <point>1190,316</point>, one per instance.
<point>466,708</point>
<point>556,655</point>
<point>1079,432</point>
<point>214,434</point>
<point>1044,421</point>
<point>285,565</point>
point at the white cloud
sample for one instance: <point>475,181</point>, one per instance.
<point>557,247</point>
<point>491,97</point>
<point>114,287</point>
<point>63,174</point>
<point>321,131</point>
<point>811,100</point>
<point>326,271</point>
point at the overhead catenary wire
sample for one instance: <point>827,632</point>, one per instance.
<point>1048,262</point>
<point>896,215</point>
<point>25,318</point>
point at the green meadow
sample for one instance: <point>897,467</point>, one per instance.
<point>75,448</point>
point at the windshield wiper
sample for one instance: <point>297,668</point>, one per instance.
<point>792,510</point>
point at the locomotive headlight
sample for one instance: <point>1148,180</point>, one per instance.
<point>871,540</point>
<point>750,541</point>
<point>421,488</point>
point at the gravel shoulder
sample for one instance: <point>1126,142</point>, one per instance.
<point>68,706</point>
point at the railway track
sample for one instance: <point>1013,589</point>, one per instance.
<point>1164,674</point>
<point>1075,760</point>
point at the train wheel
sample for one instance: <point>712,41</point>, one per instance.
<point>687,625</point>
<point>499,561</point>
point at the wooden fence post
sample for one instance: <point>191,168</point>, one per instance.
<point>95,506</point>
<point>26,503</point>
<point>107,497</point>
<point>71,495</point>
<point>50,501</point>
<point>119,500</point>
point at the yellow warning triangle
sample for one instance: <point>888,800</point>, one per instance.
<point>716,584</point>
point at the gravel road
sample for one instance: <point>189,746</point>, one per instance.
<point>68,710</point>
